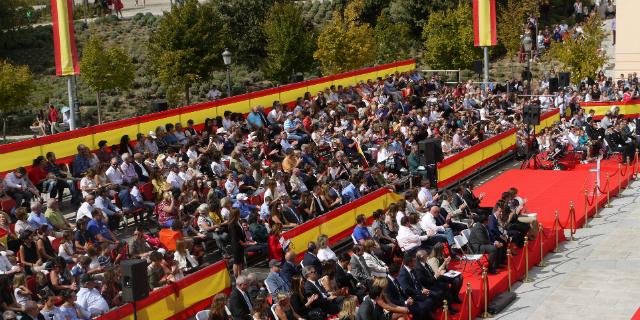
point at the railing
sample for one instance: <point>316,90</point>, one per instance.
<point>64,144</point>
<point>464,163</point>
<point>630,109</point>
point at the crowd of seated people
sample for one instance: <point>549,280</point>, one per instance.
<point>234,185</point>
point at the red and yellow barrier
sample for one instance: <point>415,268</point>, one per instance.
<point>338,224</point>
<point>629,109</point>
<point>64,144</point>
<point>181,300</point>
<point>463,164</point>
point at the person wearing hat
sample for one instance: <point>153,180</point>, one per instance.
<point>150,144</point>
<point>274,282</point>
<point>245,208</point>
<point>174,178</point>
<point>89,298</point>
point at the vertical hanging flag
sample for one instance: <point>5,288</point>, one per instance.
<point>484,23</point>
<point>64,40</point>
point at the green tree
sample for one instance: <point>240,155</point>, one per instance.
<point>345,43</point>
<point>187,45</point>
<point>105,69</point>
<point>246,38</point>
<point>511,19</point>
<point>290,42</point>
<point>448,39</point>
<point>13,14</point>
<point>16,84</point>
<point>416,13</point>
<point>393,40</point>
<point>581,54</point>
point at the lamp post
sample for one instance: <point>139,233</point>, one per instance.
<point>226,58</point>
<point>527,43</point>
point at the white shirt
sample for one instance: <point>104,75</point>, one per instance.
<point>325,254</point>
<point>407,239</point>
<point>87,183</point>
<point>399,216</point>
<point>92,301</point>
<point>175,180</point>
<point>425,197</point>
<point>115,175</point>
<point>5,265</point>
<point>428,222</point>
<point>84,211</point>
<point>11,181</point>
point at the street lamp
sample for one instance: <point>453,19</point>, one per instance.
<point>527,43</point>
<point>226,58</point>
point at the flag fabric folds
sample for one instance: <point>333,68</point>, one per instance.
<point>64,41</point>
<point>484,23</point>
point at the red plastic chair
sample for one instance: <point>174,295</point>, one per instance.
<point>147,191</point>
<point>8,204</point>
<point>55,244</point>
<point>32,286</point>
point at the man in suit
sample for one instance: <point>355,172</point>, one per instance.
<point>239,303</point>
<point>140,168</point>
<point>311,258</point>
<point>409,282</point>
<point>420,309</point>
<point>346,280</point>
<point>369,309</point>
<point>290,213</point>
<point>325,301</point>
<point>289,268</point>
<point>480,242</point>
<point>274,281</point>
<point>359,267</point>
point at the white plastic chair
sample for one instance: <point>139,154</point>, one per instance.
<point>461,241</point>
<point>354,239</point>
<point>202,315</point>
<point>466,233</point>
<point>273,311</point>
<point>267,286</point>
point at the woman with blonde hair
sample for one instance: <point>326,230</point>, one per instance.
<point>349,307</point>
<point>186,262</point>
<point>283,309</point>
<point>324,251</point>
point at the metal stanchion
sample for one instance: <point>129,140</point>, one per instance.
<point>445,309</point>
<point>628,176</point>
<point>619,178</point>
<point>635,165</point>
<point>526,260</point>
<point>572,219</point>
<point>595,201</point>
<point>586,209</point>
<point>542,263</point>
<point>608,205</point>
<point>485,292</point>
<point>469,301</point>
<point>509,267</point>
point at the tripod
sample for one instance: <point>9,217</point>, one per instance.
<point>532,151</point>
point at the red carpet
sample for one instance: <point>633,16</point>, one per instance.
<point>636,316</point>
<point>545,191</point>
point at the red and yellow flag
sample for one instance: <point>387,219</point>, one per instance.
<point>64,40</point>
<point>484,23</point>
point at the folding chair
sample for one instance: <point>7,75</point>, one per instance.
<point>202,315</point>
<point>461,242</point>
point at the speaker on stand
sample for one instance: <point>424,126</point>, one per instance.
<point>531,117</point>
<point>429,154</point>
<point>553,85</point>
<point>135,281</point>
<point>564,79</point>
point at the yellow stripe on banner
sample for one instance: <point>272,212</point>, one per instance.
<point>66,57</point>
<point>188,296</point>
<point>145,127</point>
<point>113,136</point>
<point>385,72</point>
<point>300,241</point>
<point>292,95</point>
<point>338,223</point>
<point>365,77</point>
<point>484,22</point>
<point>406,68</point>
<point>266,101</point>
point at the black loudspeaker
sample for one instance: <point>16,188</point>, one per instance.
<point>553,85</point>
<point>159,105</point>
<point>477,66</point>
<point>135,282</point>
<point>531,115</point>
<point>563,79</point>
<point>500,302</point>
<point>429,151</point>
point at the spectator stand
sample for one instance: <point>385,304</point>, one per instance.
<point>629,109</point>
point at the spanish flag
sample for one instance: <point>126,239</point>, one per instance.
<point>484,23</point>
<point>64,41</point>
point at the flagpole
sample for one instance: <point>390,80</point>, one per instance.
<point>486,65</point>
<point>72,111</point>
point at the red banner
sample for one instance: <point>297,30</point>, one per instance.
<point>64,40</point>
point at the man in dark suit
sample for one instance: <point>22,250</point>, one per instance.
<point>359,267</point>
<point>369,309</point>
<point>346,280</point>
<point>239,303</point>
<point>480,242</point>
<point>420,309</point>
<point>427,279</point>
<point>141,169</point>
<point>326,302</point>
<point>289,211</point>
<point>289,268</point>
<point>409,282</point>
<point>311,258</point>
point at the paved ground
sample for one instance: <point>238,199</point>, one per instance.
<point>596,277</point>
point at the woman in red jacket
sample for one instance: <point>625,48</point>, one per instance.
<point>275,246</point>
